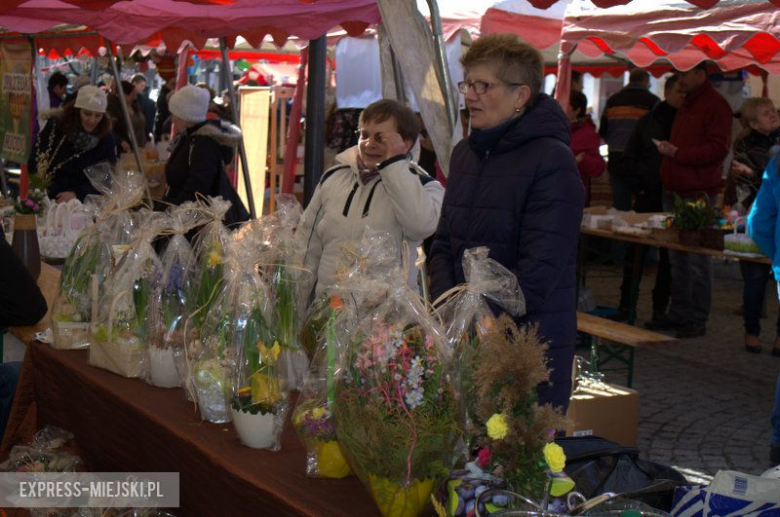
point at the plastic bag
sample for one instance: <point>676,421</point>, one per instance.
<point>395,405</point>
<point>169,310</point>
<point>121,338</point>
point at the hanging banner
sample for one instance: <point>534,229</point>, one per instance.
<point>255,105</point>
<point>15,101</point>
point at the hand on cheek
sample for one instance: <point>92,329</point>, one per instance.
<point>394,145</point>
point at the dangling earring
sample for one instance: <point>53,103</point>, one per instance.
<point>517,110</point>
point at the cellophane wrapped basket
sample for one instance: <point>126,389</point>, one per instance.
<point>91,261</point>
<point>122,335</point>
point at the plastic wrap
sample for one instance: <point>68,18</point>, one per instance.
<point>396,408</point>
<point>258,398</point>
<point>326,336</point>
<point>41,455</point>
<point>467,316</point>
<point>123,332</point>
<point>288,282</point>
<point>169,311</point>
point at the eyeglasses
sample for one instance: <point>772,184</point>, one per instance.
<point>480,87</point>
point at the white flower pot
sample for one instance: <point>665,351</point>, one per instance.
<point>256,431</point>
<point>163,368</point>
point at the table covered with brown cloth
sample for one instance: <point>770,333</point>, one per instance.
<point>126,425</point>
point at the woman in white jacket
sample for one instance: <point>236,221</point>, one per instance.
<point>373,184</point>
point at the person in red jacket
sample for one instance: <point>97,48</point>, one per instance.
<point>692,166</point>
<point>585,141</point>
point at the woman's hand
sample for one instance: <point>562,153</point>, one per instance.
<point>580,157</point>
<point>667,148</point>
<point>125,146</point>
<point>394,144</point>
<point>64,197</point>
<point>740,170</point>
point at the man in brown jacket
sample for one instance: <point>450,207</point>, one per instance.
<point>691,168</point>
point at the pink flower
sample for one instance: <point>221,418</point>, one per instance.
<point>35,207</point>
<point>28,202</point>
<point>483,457</point>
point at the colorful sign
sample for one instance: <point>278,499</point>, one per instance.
<point>15,100</point>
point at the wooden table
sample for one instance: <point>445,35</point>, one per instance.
<point>649,241</point>
<point>126,425</point>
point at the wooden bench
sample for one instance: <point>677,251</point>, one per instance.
<point>620,340</point>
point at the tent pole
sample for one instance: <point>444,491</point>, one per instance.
<point>442,70</point>
<point>314,157</point>
<point>227,77</point>
<point>93,72</point>
<point>123,102</point>
<point>398,78</point>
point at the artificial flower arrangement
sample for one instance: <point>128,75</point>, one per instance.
<point>513,434</point>
<point>91,261</point>
<point>396,411</point>
<point>122,335</point>
<point>168,314</point>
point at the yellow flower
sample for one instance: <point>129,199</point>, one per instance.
<point>317,413</point>
<point>214,258</point>
<point>269,355</point>
<point>497,427</point>
<point>554,456</point>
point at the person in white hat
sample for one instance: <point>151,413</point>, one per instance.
<point>76,137</point>
<point>200,152</point>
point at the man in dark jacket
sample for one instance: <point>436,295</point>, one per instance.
<point>643,161</point>
<point>692,166</point>
<point>521,196</point>
<point>147,106</point>
<point>618,120</point>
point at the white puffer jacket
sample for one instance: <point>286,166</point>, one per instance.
<point>403,200</point>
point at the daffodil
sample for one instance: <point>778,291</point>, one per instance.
<point>215,258</point>
<point>269,355</point>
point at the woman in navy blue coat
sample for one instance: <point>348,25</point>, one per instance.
<point>515,188</point>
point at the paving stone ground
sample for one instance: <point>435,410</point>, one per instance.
<point>704,403</point>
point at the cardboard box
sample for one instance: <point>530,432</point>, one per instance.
<point>604,410</point>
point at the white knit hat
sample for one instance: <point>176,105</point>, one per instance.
<point>91,98</point>
<point>190,104</point>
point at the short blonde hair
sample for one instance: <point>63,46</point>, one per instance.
<point>750,108</point>
<point>512,60</point>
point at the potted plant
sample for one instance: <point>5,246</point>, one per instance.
<point>691,218</point>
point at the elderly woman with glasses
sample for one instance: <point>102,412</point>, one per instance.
<point>514,187</point>
<point>373,185</point>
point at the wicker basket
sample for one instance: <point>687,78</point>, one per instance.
<point>666,234</point>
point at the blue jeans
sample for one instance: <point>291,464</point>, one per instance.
<point>9,378</point>
<point>755,277</point>
<point>691,282</point>
<point>775,438</point>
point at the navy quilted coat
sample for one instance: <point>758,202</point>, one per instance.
<point>522,197</point>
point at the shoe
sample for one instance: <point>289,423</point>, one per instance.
<point>774,455</point>
<point>752,344</point>
<point>662,322</point>
<point>691,331</point>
